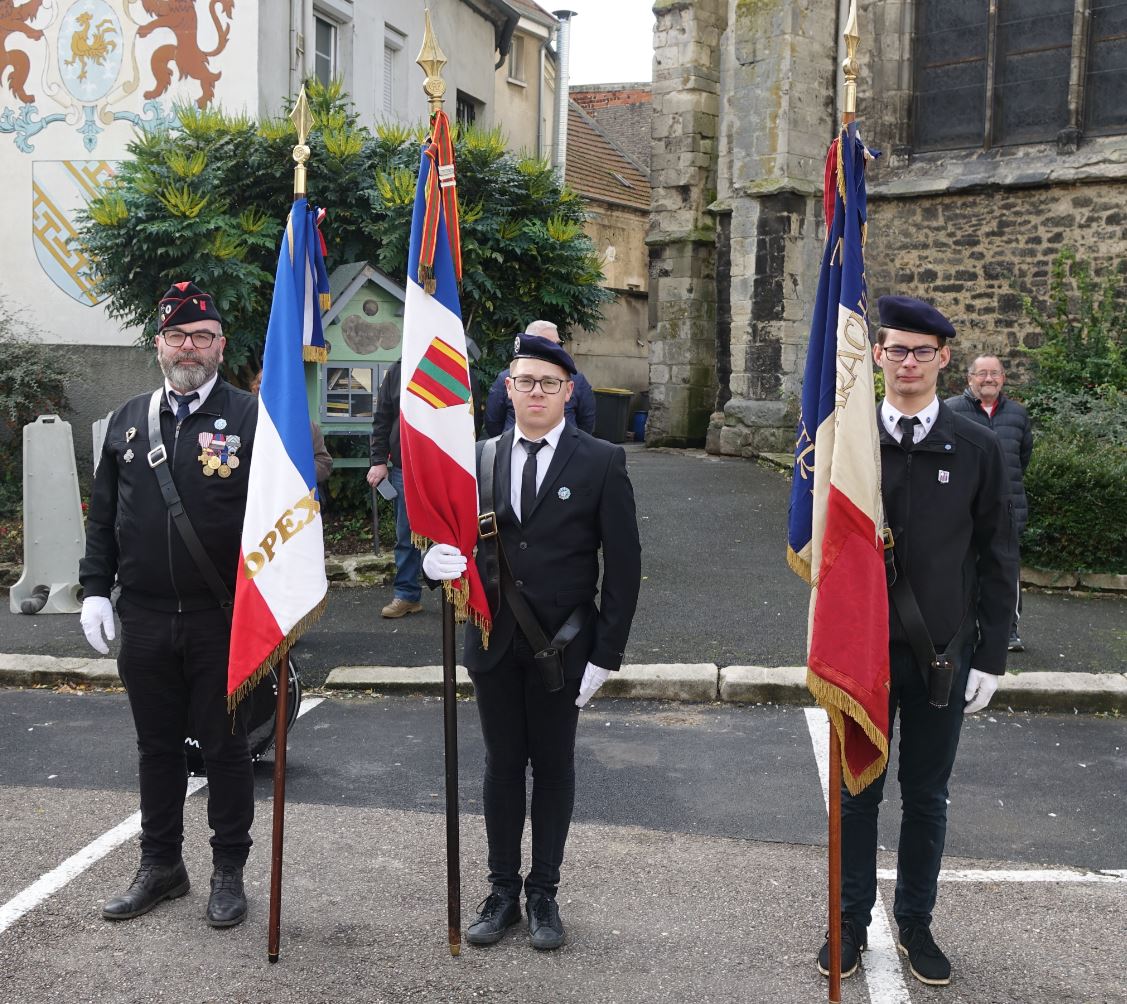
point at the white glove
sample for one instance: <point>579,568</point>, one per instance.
<point>980,688</point>
<point>96,617</point>
<point>593,678</point>
<point>443,562</point>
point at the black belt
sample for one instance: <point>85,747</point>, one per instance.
<point>158,461</point>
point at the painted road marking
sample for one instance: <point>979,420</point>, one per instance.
<point>49,884</point>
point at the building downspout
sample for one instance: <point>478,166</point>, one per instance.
<point>563,59</point>
<point>540,98</point>
<point>299,44</point>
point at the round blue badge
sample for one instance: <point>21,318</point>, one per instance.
<point>564,494</point>
<point>221,423</point>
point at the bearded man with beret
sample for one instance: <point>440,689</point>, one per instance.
<point>947,505</point>
<point>175,629</point>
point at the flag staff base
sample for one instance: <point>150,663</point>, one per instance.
<point>834,802</point>
<point>450,735</point>
<point>281,728</point>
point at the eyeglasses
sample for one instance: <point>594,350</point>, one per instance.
<point>898,353</point>
<point>548,384</point>
<point>983,374</point>
<point>174,338</point>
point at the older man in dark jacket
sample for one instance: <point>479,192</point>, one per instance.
<point>984,401</point>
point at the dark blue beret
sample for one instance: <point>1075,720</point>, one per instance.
<point>906,313</point>
<point>184,303</point>
<point>526,346</point>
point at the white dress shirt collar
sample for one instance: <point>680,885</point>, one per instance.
<point>195,405</point>
<point>891,416</point>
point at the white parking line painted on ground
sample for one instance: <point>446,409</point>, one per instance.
<point>1019,875</point>
<point>881,964</point>
<point>49,884</point>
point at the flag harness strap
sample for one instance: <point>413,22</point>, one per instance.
<point>498,577</point>
<point>158,461</point>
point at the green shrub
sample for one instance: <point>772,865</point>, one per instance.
<point>1077,488</point>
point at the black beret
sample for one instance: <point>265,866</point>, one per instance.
<point>184,303</point>
<point>526,346</point>
<point>906,313</point>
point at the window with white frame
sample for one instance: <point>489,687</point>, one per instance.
<point>516,59</point>
<point>324,50</point>
<point>393,72</point>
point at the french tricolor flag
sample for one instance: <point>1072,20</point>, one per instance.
<point>281,587</point>
<point>836,513</point>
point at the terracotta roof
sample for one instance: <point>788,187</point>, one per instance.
<point>532,7</point>
<point>596,167</point>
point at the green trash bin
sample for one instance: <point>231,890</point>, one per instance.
<point>612,413</point>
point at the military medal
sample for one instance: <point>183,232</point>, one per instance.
<point>208,471</point>
<point>233,462</point>
<point>214,463</point>
<point>223,471</point>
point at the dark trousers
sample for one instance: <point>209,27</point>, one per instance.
<point>929,738</point>
<point>174,667</point>
<point>522,722</point>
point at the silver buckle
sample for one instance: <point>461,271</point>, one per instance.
<point>157,456</point>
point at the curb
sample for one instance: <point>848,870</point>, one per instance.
<point>699,683</point>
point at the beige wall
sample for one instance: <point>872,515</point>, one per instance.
<point>525,110</point>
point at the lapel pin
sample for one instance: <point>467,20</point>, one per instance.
<point>127,456</point>
<point>130,433</point>
<point>944,477</point>
<point>221,423</point>
<point>564,494</point>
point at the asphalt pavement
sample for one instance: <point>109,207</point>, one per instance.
<point>716,589</point>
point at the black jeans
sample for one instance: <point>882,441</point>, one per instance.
<point>929,738</point>
<point>521,722</point>
<point>174,667</point>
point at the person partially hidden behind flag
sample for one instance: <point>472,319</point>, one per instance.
<point>555,497</point>
<point>175,631</point>
<point>946,503</point>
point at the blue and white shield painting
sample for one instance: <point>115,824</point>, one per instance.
<point>90,49</point>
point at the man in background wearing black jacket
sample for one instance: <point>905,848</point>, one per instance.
<point>984,401</point>
<point>387,463</point>
<point>175,634</point>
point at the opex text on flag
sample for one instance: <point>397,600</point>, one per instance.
<point>281,586</point>
<point>436,409</point>
<point>836,515</point>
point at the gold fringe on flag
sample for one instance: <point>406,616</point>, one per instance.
<point>315,354</point>
<point>798,564</point>
<point>272,659</point>
<point>427,280</point>
<point>457,591</point>
<point>326,300</point>
<point>837,703</point>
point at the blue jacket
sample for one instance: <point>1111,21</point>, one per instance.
<point>579,411</point>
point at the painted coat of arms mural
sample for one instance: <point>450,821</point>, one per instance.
<point>88,64</point>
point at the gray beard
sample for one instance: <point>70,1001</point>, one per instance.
<point>187,376</point>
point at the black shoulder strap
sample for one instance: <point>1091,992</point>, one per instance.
<point>158,461</point>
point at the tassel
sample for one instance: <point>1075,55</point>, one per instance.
<point>314,354</point>
<point>326,301</point>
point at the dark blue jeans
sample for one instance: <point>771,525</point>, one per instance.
<point>522,722</point>
<point>174,667</point>
<point>929,738</point>
<point>408,560</point>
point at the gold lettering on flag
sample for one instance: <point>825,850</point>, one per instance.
<point>305,510</point>
<point>849,356</point>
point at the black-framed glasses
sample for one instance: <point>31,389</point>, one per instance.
<point>898,353</point>
<point>548,384</point>
<point>200,339</point>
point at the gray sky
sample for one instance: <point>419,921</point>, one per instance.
<point>611,40</point>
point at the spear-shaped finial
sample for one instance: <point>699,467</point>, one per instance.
<point>850,66</point>
<point>432,59</point>
<point>302,118</point>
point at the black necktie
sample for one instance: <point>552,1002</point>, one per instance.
<point>528,477</point>
<point>183,402</point>
<point>908,431</point>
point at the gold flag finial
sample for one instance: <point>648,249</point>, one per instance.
<point>302,118</point>
<point>432,59</point>
<point>850,66</point>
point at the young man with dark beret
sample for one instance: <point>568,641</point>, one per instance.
<point>175,634</point>
<point>947,504</point>
<point>560,497</point>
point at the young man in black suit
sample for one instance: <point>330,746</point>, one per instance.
<point>560,496</point>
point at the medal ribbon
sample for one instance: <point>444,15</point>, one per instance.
<point>441,199</point>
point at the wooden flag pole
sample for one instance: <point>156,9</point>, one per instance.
<point>849,70</point>
<point>432,59</point>
<point>302,119</point>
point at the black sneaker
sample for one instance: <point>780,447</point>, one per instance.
<point>1016,644</point>
<point>496,914</point>
<point>854,940</point>
<point>545,928</point>
<point>925,959</point>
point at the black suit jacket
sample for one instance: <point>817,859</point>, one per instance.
<point>585,504</point>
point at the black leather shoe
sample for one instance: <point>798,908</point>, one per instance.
<point>925,958</point>
<point>496,914</point>
<point>544,925</point>
<point>153,884</point>
<point>227,905</point>
<point>854,940</point>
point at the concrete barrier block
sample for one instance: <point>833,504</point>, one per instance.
<point>764,685</point>
<point>1062,692</point>
<point>50,671</point>
<point>663,682</point>
<point>396,679</point>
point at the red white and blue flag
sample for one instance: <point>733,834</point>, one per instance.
<point>836,515</point>
<point>436,432</point>
<point>281,587</point>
